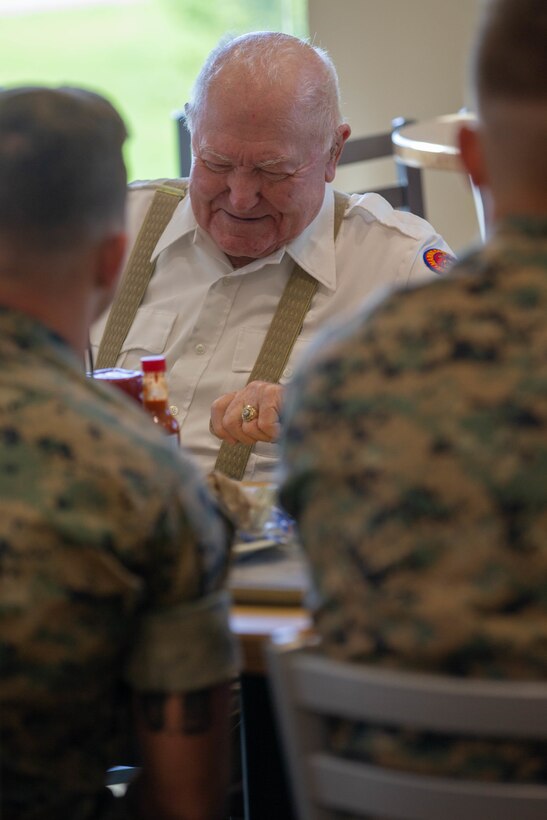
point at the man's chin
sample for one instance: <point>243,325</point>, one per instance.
<point>240,259</point>
<point>236,249</point>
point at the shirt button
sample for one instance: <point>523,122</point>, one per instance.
<point>288,372</point>
<point>226,281</point>
<point>174,410</point>
<point>200,349</point>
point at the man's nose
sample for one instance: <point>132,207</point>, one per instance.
<point>244,188</point>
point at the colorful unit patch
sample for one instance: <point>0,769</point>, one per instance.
<point>438,260</point>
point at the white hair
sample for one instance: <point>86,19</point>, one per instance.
<point>269,56</point>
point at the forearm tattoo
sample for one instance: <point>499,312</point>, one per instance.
<point>194,712</point>
<point>197,712</point>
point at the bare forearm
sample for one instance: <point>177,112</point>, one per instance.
<point>146,804</point>
<point>185,747</point>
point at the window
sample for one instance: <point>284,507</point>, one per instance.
<point>142,54</point>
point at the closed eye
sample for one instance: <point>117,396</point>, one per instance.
<point>224,168</point>
<point>216,167</point>
<point>276,176</point>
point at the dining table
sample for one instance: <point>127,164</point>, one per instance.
<point>268,589</point>
<point>432,143</point>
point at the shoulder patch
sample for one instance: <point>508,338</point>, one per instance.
<point>438,260</point>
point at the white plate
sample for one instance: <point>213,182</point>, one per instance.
<point>249,547</point>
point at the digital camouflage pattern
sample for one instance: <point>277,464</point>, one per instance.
<point>415,463</point>
<point>112,563</point>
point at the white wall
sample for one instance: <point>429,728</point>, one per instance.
<point>403,58</point>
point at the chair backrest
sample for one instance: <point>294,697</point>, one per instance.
<point>407,194</point>
<point>309,689</point>
<point>184,144</point>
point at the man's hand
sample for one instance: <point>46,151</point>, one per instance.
<point>226,420</point>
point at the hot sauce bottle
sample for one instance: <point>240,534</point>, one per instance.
<point>155,396</point>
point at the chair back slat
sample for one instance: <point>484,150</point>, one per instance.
<point>310,689</point>
<point>342,785</point>
<point>421,702</point>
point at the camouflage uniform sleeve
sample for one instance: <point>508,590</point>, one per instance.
<point>184,647</point>
<point>323,490</point>
<point>183,640</point>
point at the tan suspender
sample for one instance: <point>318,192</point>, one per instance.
<point>280,338</point>
<point>138,271</point>
<point>278,344</point>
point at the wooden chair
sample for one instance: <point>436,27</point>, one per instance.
<point>407,194</point>
<point>308,688</point>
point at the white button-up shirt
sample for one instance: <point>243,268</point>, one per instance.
<point>210,320</point>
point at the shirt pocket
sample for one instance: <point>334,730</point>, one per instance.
<point>248,344</point>
<point>149,331</point>
<point>147,335</point>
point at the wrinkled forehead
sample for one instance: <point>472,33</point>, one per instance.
<point>259,114</point>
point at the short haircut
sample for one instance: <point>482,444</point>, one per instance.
<point>266,54</point>
<point>510,58</point>
<point>62,174</point>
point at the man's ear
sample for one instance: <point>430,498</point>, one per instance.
<point>110,256</point>
<point>472,154</point>
<point>342,133</point>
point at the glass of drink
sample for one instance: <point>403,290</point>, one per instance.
<point>130,381</point>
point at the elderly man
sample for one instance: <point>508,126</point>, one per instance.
<point>416,448</point>
<point>113,614</point>
<point>266,137</point>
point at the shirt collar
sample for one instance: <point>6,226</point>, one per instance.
<point>182,223</point>
<point>313,249</point>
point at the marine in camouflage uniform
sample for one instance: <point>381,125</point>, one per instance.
<point>112,562</point>
<point>416,466</point>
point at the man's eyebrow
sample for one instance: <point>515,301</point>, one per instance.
<point>277,161</point>
<point>215,154</point>
<point>266,164</point>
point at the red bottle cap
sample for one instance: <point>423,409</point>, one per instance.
<point>153,364</point>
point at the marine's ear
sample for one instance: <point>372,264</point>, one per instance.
<point>472,154</point>
<point>110,255</point>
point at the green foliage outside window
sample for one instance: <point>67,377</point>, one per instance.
<point>143,54</point>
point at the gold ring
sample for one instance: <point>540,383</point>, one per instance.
<point>249,413</point>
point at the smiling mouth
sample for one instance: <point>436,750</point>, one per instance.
<point>244,218</point>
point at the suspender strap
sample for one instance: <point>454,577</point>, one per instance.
<point>284,328</point>
<point>138,271</point>
<point>277,346</point>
